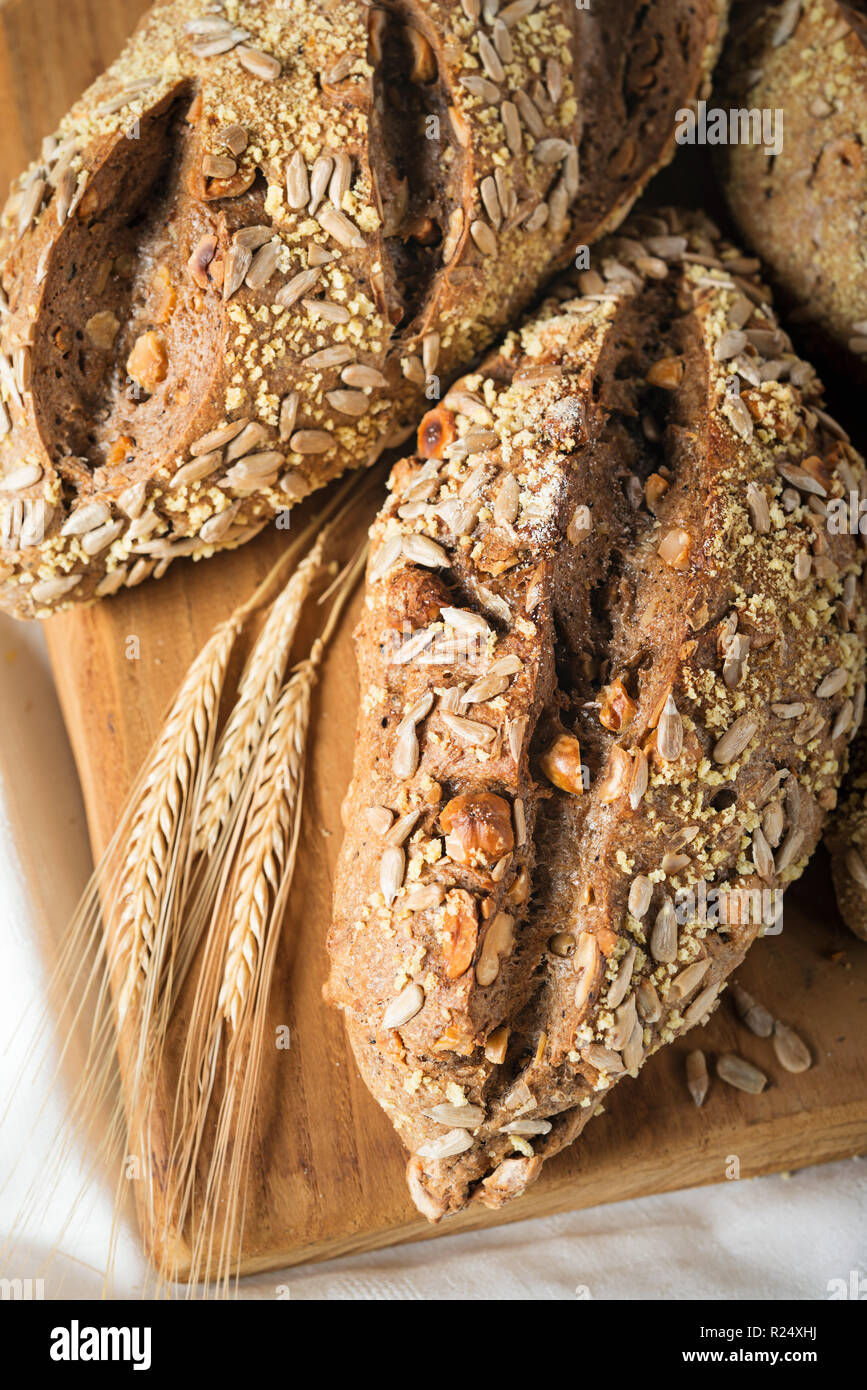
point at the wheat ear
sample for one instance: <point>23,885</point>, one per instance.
<point>257,691</point>
<point>120,956</point>
<point>229,1011</point>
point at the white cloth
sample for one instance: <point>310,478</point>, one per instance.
<point>768,1238</point>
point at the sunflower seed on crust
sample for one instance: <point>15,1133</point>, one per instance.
<point>663,938</point>
<point>455,1142</point>
<point>262,65</point>
<point>735,739</point>
<point>392,866</point>
<point>669,732</point>
<point>403,1006</point>
<point>457,1116</point>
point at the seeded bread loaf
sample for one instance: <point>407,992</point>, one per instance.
<point>804,211</point>
<point>846,838</point>
<point>269,230</point>
<point>610,660</point>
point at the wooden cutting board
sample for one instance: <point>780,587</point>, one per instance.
<point>328,1170</point>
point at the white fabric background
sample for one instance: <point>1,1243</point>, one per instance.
<point>767,1238</point>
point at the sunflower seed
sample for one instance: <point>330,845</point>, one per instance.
<point>843,722</point>
<point>465,622</point>
<point>526,1127</point>
<point>296,288</point>
<point>30,204</point>
<point>455,1142</point>
<point>673,863</point>
<point>391,870</point>
<point>801,479</point>
<point>585,963</point>
<point>696,1076</point>
<point>362,377</point>
<point>457,1116</point>
<point>552,150</point>
<point>469,731</point>
<point>24,477</point>
<point>633,1051</point>
<point>729,345</point>
<point>832,683</point>
<point>856,866</point>
<point>530,115</point>
<point>421,896</point>
<point>734,741</point>
<point>326,309</point>
<point>484,237</point>
<point>207,24</point>
<point>669,733</point>
<point>263,265</point>
<point>619,986</point>
<point>262,65</point>
<point>760,512</point>
<point>787,22</point>
<point>85,518</point>
<point>219,166</point>
<point>701,1005</point>
<point>741,1074</point>
<point>603,1059</point>
<point>648,1002</point>
<point>772,823</point>
<point>482,88</point>
<point>348,402</point>
<point>512,127</point>
<point>687,979</point>
<point>790,1051</point>
<point>517,729</point>
<point>405,757</point>
<point>216,527</point>
<point>638,781</point>
<point>663,938</point>
<point>790,850</point>
<point>250,437</point>
<point>640,893</point>
<point>802,566</point>
<point>311,441</point>
<point>330,357</point>
<point>258,465</point>
<point>47,589</point>
<point>297,185</point>
<point>252,237</point>
<point>238,260</point>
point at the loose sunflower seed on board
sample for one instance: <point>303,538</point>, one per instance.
<point>757,1018</point>
<point>741,1074</point>
<point>791,1052</point>
<point>696,1076</point>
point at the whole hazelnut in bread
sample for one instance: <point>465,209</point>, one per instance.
<point>803,209</point>
<point>266,237</point>
<point>591,760</point>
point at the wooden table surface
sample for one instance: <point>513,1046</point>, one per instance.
<point>328,1171</point>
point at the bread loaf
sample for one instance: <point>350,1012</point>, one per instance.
<point>804,211</point>
<point>265,234</point>
<point>846,838</point>
<point>609,661</point>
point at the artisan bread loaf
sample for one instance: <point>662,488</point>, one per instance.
<point>804,210</point>
<point>610,660</point>
<point>846,838</point>
<point>267,232</point>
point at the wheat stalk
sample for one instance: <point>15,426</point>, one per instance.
<point>268,835</point>
<point>257,691</point>
<point>154,872</point>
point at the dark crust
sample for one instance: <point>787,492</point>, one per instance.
<point>426,293</point>
<point>606,604</point>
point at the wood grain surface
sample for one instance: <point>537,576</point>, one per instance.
<point>328,1170</point>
